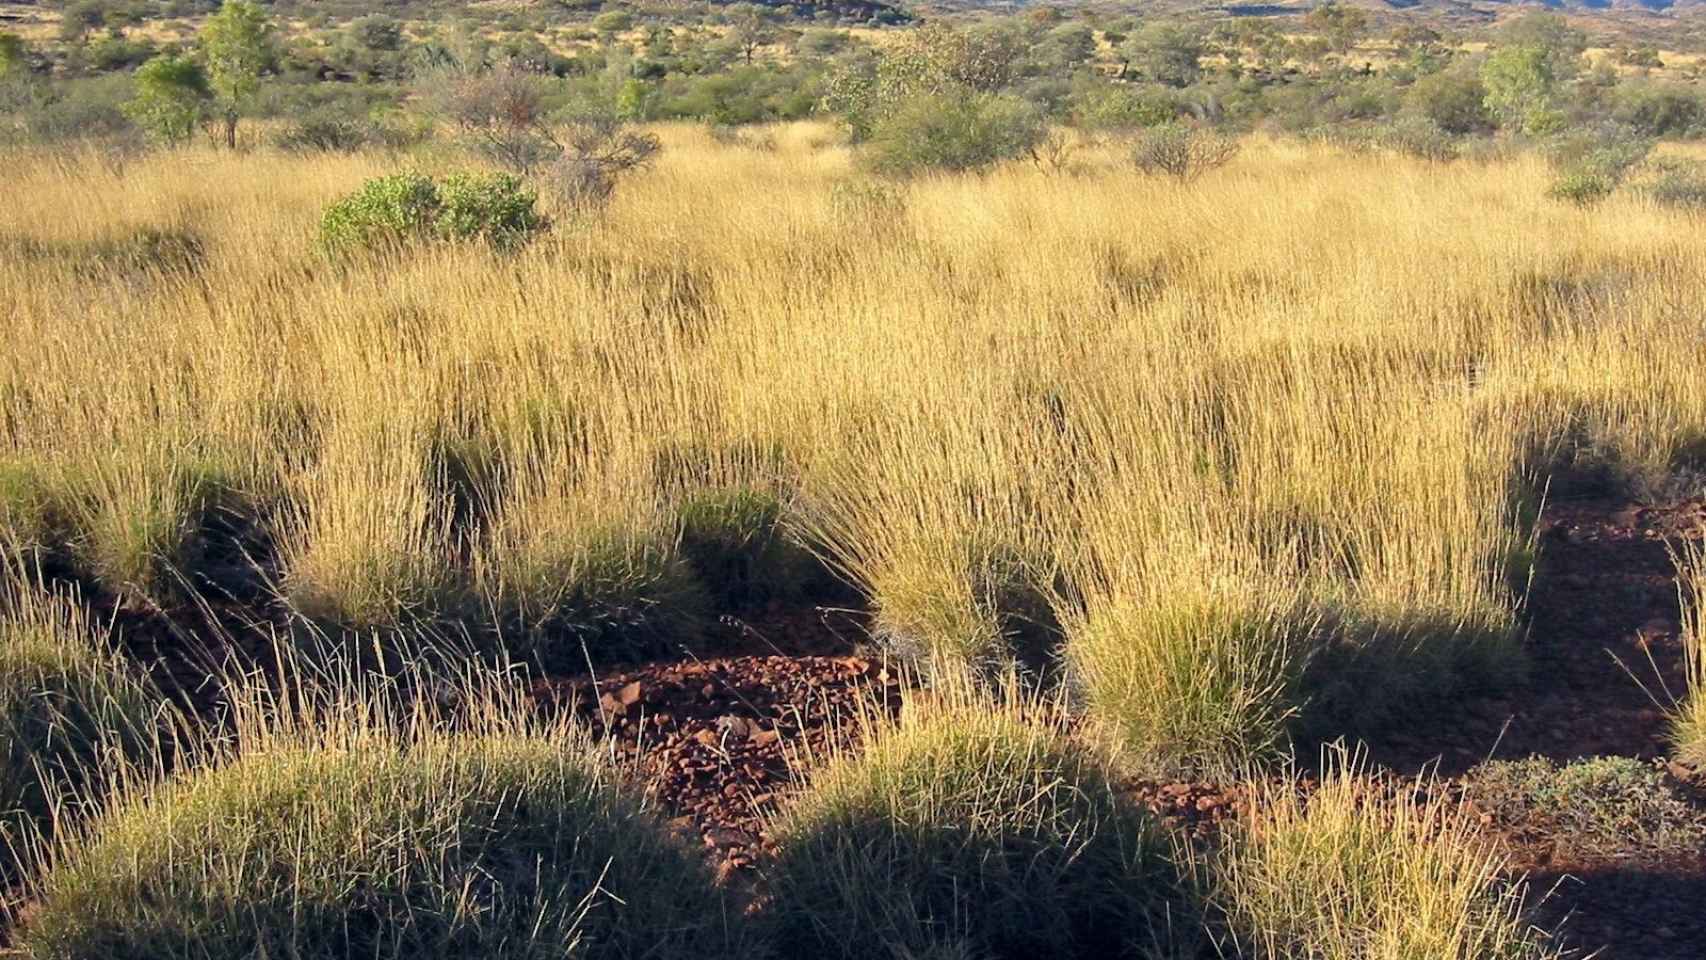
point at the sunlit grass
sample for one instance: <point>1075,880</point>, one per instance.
<point>1019,411</point>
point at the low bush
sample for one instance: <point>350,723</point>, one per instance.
<point>1180,151</point>
<point>1420,138</point>
<point>326,133</point>
<point>405,208</point>
<point>493,208</point>
<point>975,829</point>
<point>1592,163</point>
<point>1603,807</point>
<point>1582,188</point>
<point>1677,185</point>
<point>1366,869</point>
<point>373,827</point>
<point>597,152</point>
<point>67,710</point>
<point>953,133</point>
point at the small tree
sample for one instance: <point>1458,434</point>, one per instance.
<point>238,45</point>
<point>597,151</point>
<point>1522,87</point>
<point>1453,100</point>
<point>1166,53</point>
<point>611,22</point>
<point>80,18</point>
<point>751,27</point>
<point>378,32</point>
<point>500,111</point>
<point>1181,152</point>
<point>171,93</point>
<point>1342,24</point>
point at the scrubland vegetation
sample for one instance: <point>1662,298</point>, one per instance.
<point>1174,399</point>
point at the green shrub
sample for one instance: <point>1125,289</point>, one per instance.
<point>493,207</point>
<point>1584,189</point>
<point>1364,869</point>
<point>1593,163</point>
<point>385,211</point>
<point>1452,100</point>
<point>323,132</point>
<point>954,133</point>
<point>405,208</point>
<point>66,709</point>
<point>357,830</point>
<point>1104,107</point>
<point>1420,138</point>
<point>71,109</point>
<point>974,829</point>
<point>1659,110</point>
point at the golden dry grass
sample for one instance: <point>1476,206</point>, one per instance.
<point>1297,405</point>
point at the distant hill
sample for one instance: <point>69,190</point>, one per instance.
<point>1478,8</point>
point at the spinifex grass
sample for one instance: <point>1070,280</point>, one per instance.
<point>972,825</point>
<point>1316,381</point>
<point>439,816</point>
<point>1688,718</point>
<point>1357,867</point>
<point>70,709</point>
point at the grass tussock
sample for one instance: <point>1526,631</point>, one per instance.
<point>970,827</point>
<point>69,710</point>
<point>1688,718</point>
<point>1362,869</point>
<point>360,821</point>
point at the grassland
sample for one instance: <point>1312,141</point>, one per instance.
<point>1242,464</point>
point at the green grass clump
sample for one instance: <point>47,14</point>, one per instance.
<point>735,540</point>
<point>139,518</point>
<point>66,708</point>
<point>28,514</point>
<point>1198,683</point>
<point>367,826</point>
<point>1600,807</point>
<point>1372,669</point>
<point>1364,870</point>
<point>973,829</point>
<point>604,592</point>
